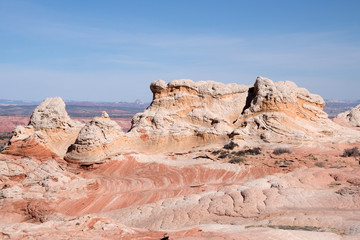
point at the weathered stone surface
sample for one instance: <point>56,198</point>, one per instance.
<point>99,131</point>
<point>186,114</point>
<point>352,116</point>
<point>282,109</point>
<point>197,191</point>
<point>10,169</point>
<point>48,134</point>
<point>166,178</point>
<point>305,199</point>
<point>185,108</point>
<point>94,140</point>
<point>51,114</point>
<point>183,114</point>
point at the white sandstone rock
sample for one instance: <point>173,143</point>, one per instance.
<point>51,114</point>
<point>352,116</point>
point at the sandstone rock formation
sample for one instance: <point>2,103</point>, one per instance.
<point>184,108</point>
<point>51,114</point>
<point>138,196</point>
<point>266,199</point>
<point>185,114</point>
<point>352,116</point>
<point>171,177</point>
<point>280,110</point>
<point>95,140</point>
<point>182,115</point>
<point>48,134</point>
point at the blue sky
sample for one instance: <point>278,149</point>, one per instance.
<point>112,50</point>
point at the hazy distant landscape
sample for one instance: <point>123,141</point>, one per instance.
<point>125,109</point>
<point>76,109</point>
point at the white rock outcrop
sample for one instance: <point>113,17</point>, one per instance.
<point>186,114</point>
<point>352,116</point>
<point>183,107</point>
<point>282,109</point>
<point>51,114</point>
<point>94,140</point>
<point>48,134</point>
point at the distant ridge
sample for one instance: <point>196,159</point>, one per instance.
<point>88,109</point>
<point>72,102</point>
<point>75,108</point>
<point>18,102</point>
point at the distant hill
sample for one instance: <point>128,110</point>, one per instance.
<point>126,109</point>
<point>75,109</point>
<point>17,102</point>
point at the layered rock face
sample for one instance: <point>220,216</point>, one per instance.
<point>48,134</point>
<point>182,115</point>
<point>155,182</point>
<point>95,140</point>
<point>185,114</point>
<point>282,109</point>
<point>183,107</point>
<point>352,116</point>
<point>208,110</point>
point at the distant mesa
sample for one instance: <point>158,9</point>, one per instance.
<point>183,115</point>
